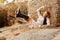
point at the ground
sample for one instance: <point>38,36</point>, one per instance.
<point>20,32</point>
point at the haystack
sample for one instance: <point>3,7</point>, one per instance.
<point>3,16</point>
<point>10,10</point>
<point>53,8</point>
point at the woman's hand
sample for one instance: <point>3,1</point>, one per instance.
<point>42,7</point>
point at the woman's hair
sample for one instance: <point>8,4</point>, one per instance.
<point>48,14</point>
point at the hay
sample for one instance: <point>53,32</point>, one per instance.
<point>52,8</point>
<point>10,10</point>
<point>3,17</point>
<point>12,7</point>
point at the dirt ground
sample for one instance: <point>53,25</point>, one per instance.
<point>23,32</point>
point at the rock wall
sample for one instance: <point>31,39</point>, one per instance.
<point>52,7</point>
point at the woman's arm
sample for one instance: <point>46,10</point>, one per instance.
<point>38,11</point>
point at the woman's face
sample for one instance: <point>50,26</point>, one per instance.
<point>45,14</point>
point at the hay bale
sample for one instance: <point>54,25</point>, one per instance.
<point>11,11</point>
<point>52,8</point>
<point>23,6</point>
<point>58,13</point>
<point>11,8</point>
<point>3,17</point>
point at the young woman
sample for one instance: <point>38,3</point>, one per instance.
<point>42,20</point>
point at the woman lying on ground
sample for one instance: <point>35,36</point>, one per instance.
<point>42,20</point>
